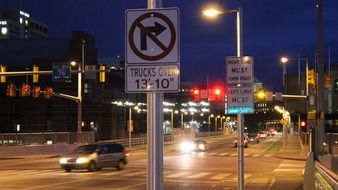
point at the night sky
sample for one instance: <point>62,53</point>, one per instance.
<point>271,29</point>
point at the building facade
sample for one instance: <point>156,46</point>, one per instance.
<point>17,24</point>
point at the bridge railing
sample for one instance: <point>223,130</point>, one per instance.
<point>46,138</point>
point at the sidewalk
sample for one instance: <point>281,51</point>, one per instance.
<point>293,149</point>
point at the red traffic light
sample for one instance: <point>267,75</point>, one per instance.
<point>25,90</point>
<point>36,92</point>
<point>49,92</point>
<point>303,124</point>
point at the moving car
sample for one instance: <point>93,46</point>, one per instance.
<point>262,135</point>
<point>201,145</point>
<point>95,156</point>
<point>245,142</point>
<point>191,146</point>
<point>253,138</point>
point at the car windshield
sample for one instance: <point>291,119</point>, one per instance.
<point>86,149</point>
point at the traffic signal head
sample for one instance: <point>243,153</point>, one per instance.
<point>196,94</point>
<point>49,92</point>
<point>261,94</point>
<point>303,124</point>
<point>35,76</point>
<point>2,70</point>
<point>11,91</point>
<point>25,90</point>
<point>311,77</point>
<point>102,74</point>
<point>335,86</point>
<point>36,92</point>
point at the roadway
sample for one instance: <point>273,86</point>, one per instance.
<point>215,169</point>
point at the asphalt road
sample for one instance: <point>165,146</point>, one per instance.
<point>215,169</point>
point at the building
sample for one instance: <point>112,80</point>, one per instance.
<point>17,24</point>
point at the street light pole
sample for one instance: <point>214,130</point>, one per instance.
<point>79,89</point>
<point>130,127</point>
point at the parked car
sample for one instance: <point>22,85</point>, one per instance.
<point>245,142</point>
<point>253,138</point>
<point>95,156</point>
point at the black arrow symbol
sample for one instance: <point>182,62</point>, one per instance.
<point>150,30</point>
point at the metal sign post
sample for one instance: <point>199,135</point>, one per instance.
<point>152,67</point>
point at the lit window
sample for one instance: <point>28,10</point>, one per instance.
<point>4,30</point>
<point>26,22</point>
<point>21,20</point>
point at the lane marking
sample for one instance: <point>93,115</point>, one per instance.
<point>201,174</point>
<point>179,174</point>
<point>220,176</point>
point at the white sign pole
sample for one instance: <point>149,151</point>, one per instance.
<point>240,128</point>
<point>154,132</point>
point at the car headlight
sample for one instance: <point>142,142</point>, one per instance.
<point>63,160</point>
<point>187,146</point>
<point>82,160</point>
<point>201,146</point>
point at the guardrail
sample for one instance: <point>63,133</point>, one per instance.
<point>74,137</point>
<point>46,138</point>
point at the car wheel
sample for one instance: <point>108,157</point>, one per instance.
<point>120,165</point>
<point>68,170</point>
<point>91,166</point>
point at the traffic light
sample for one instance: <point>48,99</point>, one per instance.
<point>36,91</point>
<point>217,93</point>
<point>3,77</point>
<point>49,92</point>
<point>11,91</point>
<point>196,94</point>
<point>311,77</point>
<point>327,82</point>
<point>303,124</point>
<point>35,76</point>
<point>25,90</point>
<point>335,86</point>
<point>261,94</point>
<point>102,74</point>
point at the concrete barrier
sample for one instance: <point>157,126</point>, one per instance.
<point>33,150</point>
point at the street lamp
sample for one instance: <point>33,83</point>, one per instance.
<point>238,11</point>
<point>218,116</point>
<point>284,60</point>
<point>79,87</point>
<point>209,122</point>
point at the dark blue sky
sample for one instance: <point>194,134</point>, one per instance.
<point>271,29</point>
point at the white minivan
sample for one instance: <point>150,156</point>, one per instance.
<point>95,156</point>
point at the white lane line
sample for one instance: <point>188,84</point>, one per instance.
<point>178,174</point>
<point>267,155</point>
<point>234,154</point>
<point>117,173</point>
<point>224,154</point>
<point>201,174</point>
<point>287,170</point>
<point>212,154</point>
<point>291,165</point>
<point>220,176</point>
<point>134,174</point>
<point>256,155</point>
